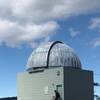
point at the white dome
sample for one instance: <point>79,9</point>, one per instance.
<point>53,54</point>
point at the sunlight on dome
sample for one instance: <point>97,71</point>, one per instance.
<point>53,54</point>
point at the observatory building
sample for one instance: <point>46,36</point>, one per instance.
<point>55,67</point>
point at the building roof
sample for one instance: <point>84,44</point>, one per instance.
<point>53,54</point>
<point>9,98</point>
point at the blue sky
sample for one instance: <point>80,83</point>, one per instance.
<point>24,25</point>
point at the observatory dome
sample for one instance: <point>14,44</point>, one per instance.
<point>53,54</point>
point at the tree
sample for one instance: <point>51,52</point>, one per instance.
<point>97,97</point>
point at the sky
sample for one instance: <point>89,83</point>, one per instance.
<point>26,24</point>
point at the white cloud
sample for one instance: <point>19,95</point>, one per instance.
<point>94,43</point>
<point>95,23</point>
<point>37,44</point>
<point>97,43</point>
<point>38,11</point>
<point>14,34</point>
<point>73,32</point>
<point>25,21</point>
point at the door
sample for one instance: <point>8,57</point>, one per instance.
<point>60,90</point>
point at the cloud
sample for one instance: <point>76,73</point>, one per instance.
<point>14,34</point>
<point>25,21</point>
<point>95,23</point>
<point>37,11</point>
<point>94,43</point>
<point>97,43</point>
<point>73,33</point>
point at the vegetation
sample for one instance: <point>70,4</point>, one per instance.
<point>96,97</point>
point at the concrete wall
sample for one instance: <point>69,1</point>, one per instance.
<point>39,86</point>
<point>78,84</point>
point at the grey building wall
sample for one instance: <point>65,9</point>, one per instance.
<point>72,84</point>
<point>39,86</point>
<point>78,84</point>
